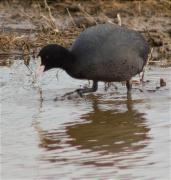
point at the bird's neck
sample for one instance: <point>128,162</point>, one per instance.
<point>67,61</point>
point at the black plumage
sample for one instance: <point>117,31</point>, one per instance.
<point>105,52</point>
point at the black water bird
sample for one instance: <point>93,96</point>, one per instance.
<point>104,52</point>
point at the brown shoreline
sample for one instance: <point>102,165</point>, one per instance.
<point>26,27</point>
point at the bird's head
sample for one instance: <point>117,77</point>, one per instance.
<point>52,56</point>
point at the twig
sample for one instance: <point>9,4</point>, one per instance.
<point>40,93</point>
<point>88,15</point>
<point>149,56</point>
<point>71,17</point>
<point>29,68</point>
<point>51,21</point>
<point>147,63</point>
<point>119,19</point>
<point>139,7</point>
<point>34,81</point>
<point>49,11</point>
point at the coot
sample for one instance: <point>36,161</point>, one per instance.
<point>104,52</point>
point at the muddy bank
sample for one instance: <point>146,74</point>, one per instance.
<point>27,26</point>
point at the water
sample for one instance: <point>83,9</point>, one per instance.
<point>104,135</point>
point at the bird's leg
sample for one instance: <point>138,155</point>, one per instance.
<point>87,90</point>
<point>129,86</point>
<point>82,91</point>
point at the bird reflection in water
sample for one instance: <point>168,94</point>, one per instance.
<point>106,129</point>
<point>109,129</point>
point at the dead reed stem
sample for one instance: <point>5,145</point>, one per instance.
<point>119,19</point>
<point>87,15</point>
<point>72,20</point>
<point>50,19</point>
<point>146,65</point>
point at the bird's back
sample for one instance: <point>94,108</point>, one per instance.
<point>109,52</point>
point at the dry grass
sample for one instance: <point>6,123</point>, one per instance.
<point>22,45</point>
<point>80,14</point>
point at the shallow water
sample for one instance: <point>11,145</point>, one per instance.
<point>104,135</point>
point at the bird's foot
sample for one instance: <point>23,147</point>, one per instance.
<point>82,91</point>
<point>85,90</point>
<point>68,95</point>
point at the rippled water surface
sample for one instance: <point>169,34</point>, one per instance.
<point>104,135</point>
